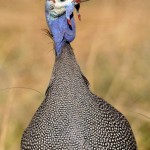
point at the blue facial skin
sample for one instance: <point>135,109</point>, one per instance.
<point>62,32</point>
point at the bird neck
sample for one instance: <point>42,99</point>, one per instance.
<point>66,72</point>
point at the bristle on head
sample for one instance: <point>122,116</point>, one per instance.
<point>48,33</point>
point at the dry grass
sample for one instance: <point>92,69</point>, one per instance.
<point>112,48</point>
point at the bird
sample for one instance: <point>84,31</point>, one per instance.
<point>71,117</point>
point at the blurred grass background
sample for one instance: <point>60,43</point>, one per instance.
<point>112,47</point>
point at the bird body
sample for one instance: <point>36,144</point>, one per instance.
<point>71,117</point>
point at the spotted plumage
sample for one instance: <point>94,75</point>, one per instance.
<point>71,117</point>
